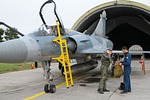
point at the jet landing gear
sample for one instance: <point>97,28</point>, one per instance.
<point>49,87</point>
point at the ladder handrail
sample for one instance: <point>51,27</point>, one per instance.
<point>64,57</point>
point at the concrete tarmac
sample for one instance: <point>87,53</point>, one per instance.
<point>29,84</point>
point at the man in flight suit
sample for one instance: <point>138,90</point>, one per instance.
<point>127,70</point>
<point>105,62</point>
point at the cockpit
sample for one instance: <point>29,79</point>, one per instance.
<point>46,31</point>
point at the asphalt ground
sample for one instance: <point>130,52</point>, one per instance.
<point>29,84</point>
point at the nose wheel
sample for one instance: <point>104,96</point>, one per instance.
<point>50,88</point>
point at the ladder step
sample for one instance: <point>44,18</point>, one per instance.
<point>64,53</point>
<point>68,79</point>
<point>64,46</point>
<point>68,72</point>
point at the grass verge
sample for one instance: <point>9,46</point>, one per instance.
<point>4,68</point>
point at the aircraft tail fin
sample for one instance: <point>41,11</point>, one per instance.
<point>100,30</point>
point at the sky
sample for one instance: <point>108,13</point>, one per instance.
<point>24,14</point>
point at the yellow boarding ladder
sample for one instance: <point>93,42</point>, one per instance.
<point>64,57</point>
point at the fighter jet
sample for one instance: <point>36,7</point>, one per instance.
<point>39,45</point>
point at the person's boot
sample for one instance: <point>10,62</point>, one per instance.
<point>123,92</point>
<point>105,90</point>
<point>100,91</point>
<point>129,90</point>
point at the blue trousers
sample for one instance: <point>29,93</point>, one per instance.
<point>126,78</point>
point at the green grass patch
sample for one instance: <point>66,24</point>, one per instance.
<point>4,68</point>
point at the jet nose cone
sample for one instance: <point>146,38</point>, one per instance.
<point>13,51</point>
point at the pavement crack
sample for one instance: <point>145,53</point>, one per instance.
<point>112,94</point>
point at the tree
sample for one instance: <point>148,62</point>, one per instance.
<point>1,34</point>
<point>10,34</point>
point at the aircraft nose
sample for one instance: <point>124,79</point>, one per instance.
<point>13,51</point>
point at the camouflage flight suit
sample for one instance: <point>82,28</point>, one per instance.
<point>105,62</point>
